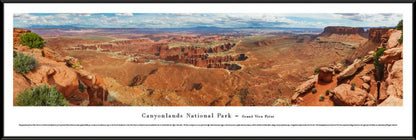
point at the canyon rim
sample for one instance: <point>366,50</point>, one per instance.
<point>206,59</point>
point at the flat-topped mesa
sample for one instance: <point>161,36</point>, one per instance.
<point>342,30</point>
<point>378,35</point>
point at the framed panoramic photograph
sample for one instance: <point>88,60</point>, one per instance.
<point>208,70</point>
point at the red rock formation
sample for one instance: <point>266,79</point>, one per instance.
<point>378,35</point>
<point>325,74</point>
<point>16,33</point>
<point>341,30</point>
<point>344,96</point>
<point>79,87</point>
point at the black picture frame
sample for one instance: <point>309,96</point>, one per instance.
<point>205,1</point>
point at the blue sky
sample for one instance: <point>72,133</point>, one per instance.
<point>190,20</point>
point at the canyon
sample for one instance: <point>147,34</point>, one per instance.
<point>163,68</point>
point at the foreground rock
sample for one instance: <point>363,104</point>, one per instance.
<point>325,74</point>
<point>392,101</point>
<point>391,55</point>
<point>350,70</point>
<point>65,79</point>
<point>304,87</point>
<point>394,80</point>
<point>344,96</point>
<point>393,39</point>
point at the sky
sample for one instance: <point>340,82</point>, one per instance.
<point>192,20</point>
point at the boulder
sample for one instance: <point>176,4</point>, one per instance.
<point>344,96</point>
<point>392,101</point>
<point>370,103</point>
<point>366,79</point>
<point>304,87</point>
<point>337,67</point>
<point>391,55</point>
<point>394,39</point>
<point>350,70</point>
<point>73,62</point>
<point>383,91</point>
<point>394,80</point>
<point>307,85</point>
<point>366,87</point>
<point>325,74</point>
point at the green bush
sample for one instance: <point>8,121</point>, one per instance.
<point>23,63</point>
<point>316,71</point>
<point>321,98</point>
<point>352,86</point>
<point>327,92</point>
<point>378,67</point>
<point>81,87</point>
<point>401,39</point>
<point>314,90</point>
<point>400,25</point>
<point>32,40</point>
<point>41,96</point>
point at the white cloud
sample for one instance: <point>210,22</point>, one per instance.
<point>124,14</point>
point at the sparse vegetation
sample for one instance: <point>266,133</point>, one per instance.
<point>321,98</point>
<point>400,27</point>
<point>379,67</point>
<point>41,96</point>
<point>327,92</point>
<point>352,86</point>
<point>76,66</point>
<point>32,40</point>
<point>316,71</point>
<point>23,63</point>
<point>314,90</point>
<point>81,87</point>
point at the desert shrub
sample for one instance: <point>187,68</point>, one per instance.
<point>321,98</point>
<point>401,39</point>
<point>378,67</point>
<point>32,40</point>
<point>327,92</point>
<point>316,71</point>
<point>23,63</point>
<point>314,90</point>
<point>41,96</point>
<point>352,86</point>
<point>399,25</point>
<point>81,87</point>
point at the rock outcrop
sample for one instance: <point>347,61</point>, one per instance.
<point>78,86</point>
<point>304,87</point>
<point>378,35</point>
<point>16,33</point>
<point>394,37</point>
<point>325,74</point>
<point>394,80</point>
<point>392,101</point>
<point>350,70</point>
<point>342,30</point>
<point>344,96</point>
<point>391,55</point>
